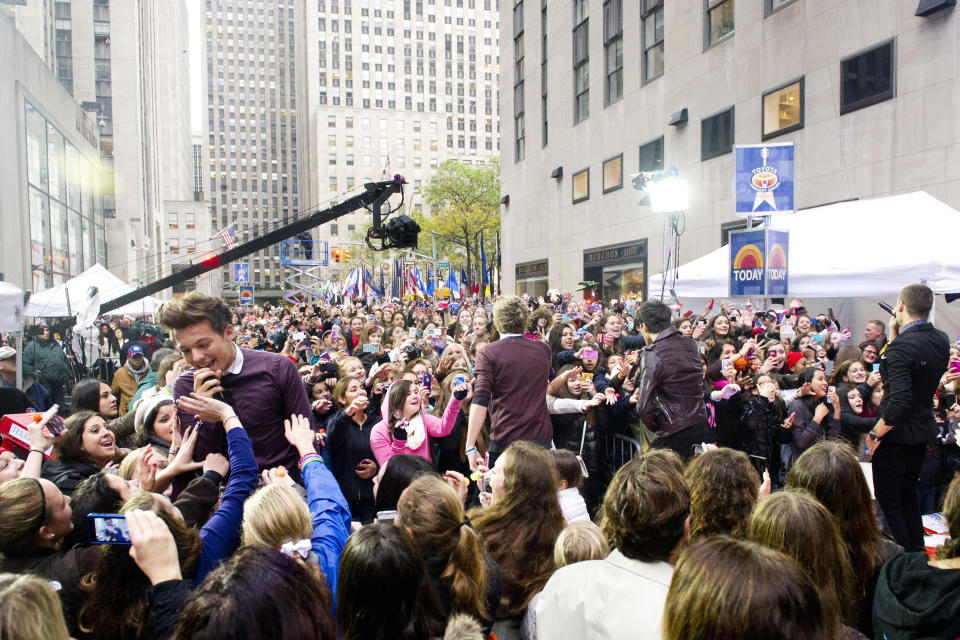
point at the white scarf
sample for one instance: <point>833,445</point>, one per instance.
<point>416,432</point>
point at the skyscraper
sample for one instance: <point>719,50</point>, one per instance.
<point>393,87</point>
<point>252,126</point>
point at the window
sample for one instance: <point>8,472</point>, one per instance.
<point>719,21</point>
<point>189,221</point>
<point>581,185</point>
<point>581,91</point>
<point>652,39</point>
<point>716,135</point>
<point>171,221</point>
<point>173,246</point>
<point>581,62</point>
<point>770,6</point>
<point>782,110</point>
<point>613,47</point>
<point>333,229</point>
<point>519,121</point>
<point>613,174</point>
<point>543,72</point>
<point>651,155</point>
<point>866,78</point>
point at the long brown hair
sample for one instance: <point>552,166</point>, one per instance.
<point>396,397</point>
<point>951,510</point>
<point>433,513</point>
<point>70,446</point>
<point>795,524</point>
<point>723,490</point>
<point>726,588</point>
<point>520,528</point>
<point>830,472</point>
<point>116,607</point>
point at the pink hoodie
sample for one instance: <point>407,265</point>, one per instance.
<point>385,448</point>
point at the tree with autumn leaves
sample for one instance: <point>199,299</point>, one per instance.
<point>465,206</point>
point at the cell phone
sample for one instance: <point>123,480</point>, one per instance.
<point>459,380</point>
<point>886,307</point>
<point>361,463</point>
<point>335,332</point>
<point>412,332</point>
<point>371,348</point>
<point>565,317</point>
<point>56,426</point>
<point>386,517</point>
<point>876,366</point>
<point>828,367</point>
<point>107,528</point>
<point>759,463</point>
<point>697,449</point>
<point>298,335</point>
<point>590,354</point>
<point>586,376</point>
<point>831,389</point>
<point>955,367</point>
<point>427,380</point>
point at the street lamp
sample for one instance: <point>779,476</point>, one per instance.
<point>667,194</point>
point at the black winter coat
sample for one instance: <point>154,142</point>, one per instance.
<point>67,474</point>
<point>349,443</point>
<point>567,434</point>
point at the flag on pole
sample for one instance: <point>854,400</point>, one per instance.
<point>421,287</point>
<point>431,285</point>
<point>386,168</point>
<point>452,284</point>
<point>486,281</point>
<point>226,235</point>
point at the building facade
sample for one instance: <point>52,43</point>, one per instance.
<point>251,103</point>
<point>127,64</point>
<point>602,89</point>
<point>50,205</point>
<point>392,87</point>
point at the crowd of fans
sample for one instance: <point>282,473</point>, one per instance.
<point>531,468</point>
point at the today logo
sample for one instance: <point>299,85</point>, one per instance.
<point>777,263</point>
<point>748,263</point>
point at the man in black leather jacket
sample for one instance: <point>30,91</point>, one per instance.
<point>670,383</point>
<point>910,367</point>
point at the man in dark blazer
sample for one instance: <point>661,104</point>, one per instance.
<point>910,366</point>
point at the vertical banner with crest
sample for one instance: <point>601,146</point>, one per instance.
<point>759,261</point>
<point>764,179</point>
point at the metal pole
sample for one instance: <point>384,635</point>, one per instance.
<point>436,280</point>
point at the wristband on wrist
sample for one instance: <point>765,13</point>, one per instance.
<point>233,417</point>
<point>307,459</point>
<point>40,451</point>
<point>470,450</point>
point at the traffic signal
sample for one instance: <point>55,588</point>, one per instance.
<point>337,254</point>
<point>346,255</point>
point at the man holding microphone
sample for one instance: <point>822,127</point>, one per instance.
<point>910,366</point>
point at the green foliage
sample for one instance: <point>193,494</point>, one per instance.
<point>465,203</point>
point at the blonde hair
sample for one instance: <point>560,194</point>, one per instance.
<point>273,515</point>
<point>579,541</point>
<point>30,609</point>
<point>510,314</point>
<point>433,513</point>
<point>342,367</point>
<point>128,466</point>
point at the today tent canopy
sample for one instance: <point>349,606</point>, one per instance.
<point>864,248</point>
<point>52,303</point>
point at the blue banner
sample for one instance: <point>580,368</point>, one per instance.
<point>246,296</point>
<point>764,179</point>
<point>747,274</point>
<point>759,262</point>
<point>778,260</point>
<point>241,272</point>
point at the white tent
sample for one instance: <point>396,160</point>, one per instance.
<point>52,303</point>
<point>851,254</point>
<point>864,248</point>
<point>145,306</point>
<point>11,307</point>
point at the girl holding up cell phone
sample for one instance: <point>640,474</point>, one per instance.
<point>405,428</point>
<point>351,458</point>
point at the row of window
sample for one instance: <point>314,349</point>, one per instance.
<point>650,159</point>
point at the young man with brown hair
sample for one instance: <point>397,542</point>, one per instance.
<point>910,367</point>
<point>263,388</point>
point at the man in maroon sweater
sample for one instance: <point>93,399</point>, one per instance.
<point>263,388</point>
<point>511,384</point>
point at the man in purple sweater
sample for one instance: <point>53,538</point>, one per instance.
<point>511,384</point>
<point>263,388</point>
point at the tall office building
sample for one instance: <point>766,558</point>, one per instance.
<point>252,127</point>
<point>607,88</point>
<point>126,62</point>
<point>392,87</point>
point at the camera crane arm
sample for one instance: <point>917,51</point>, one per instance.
<point>375,195</point>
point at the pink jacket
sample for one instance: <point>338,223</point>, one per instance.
<point>385,448</point>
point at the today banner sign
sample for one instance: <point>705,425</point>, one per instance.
<point>759,262</point>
